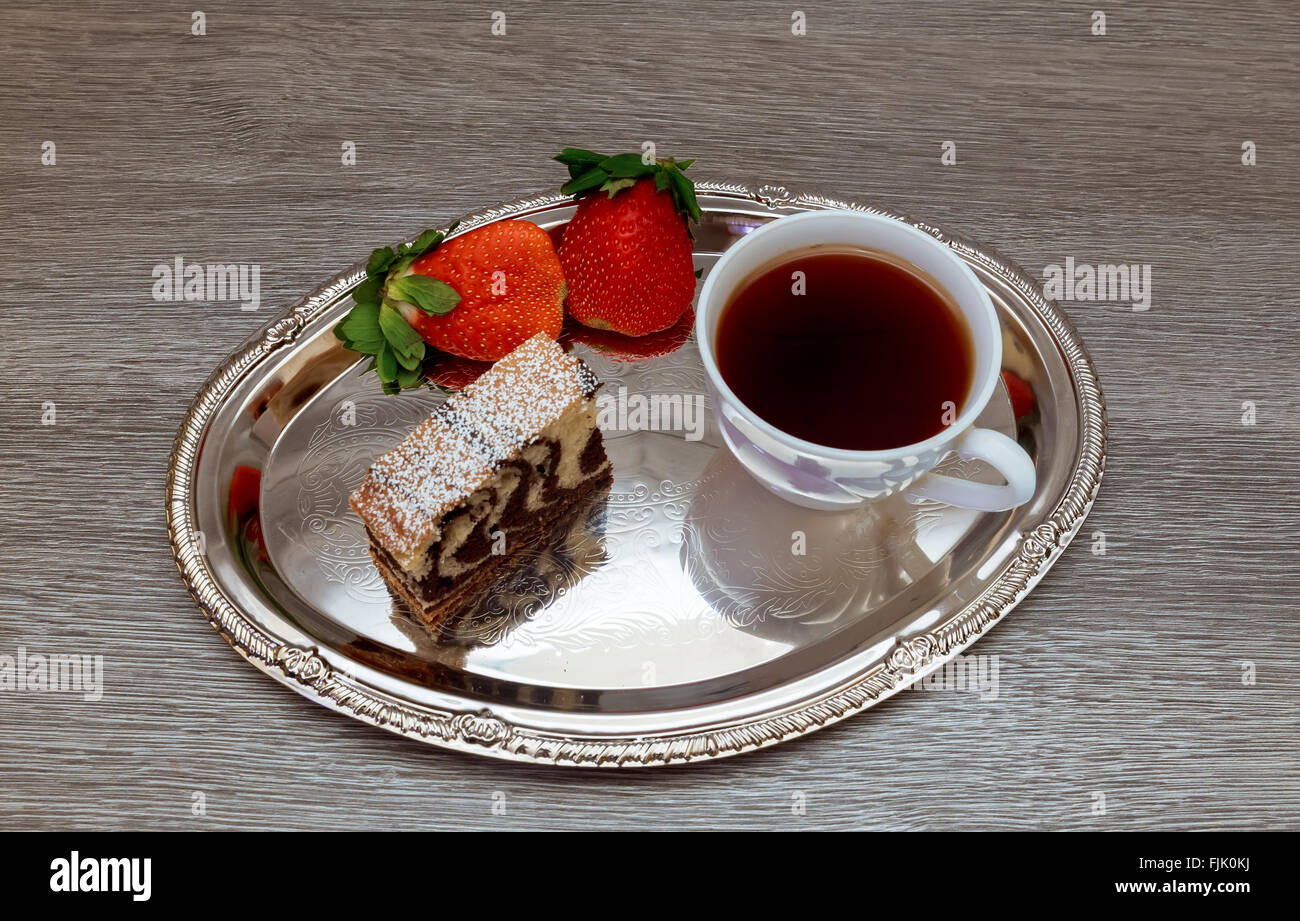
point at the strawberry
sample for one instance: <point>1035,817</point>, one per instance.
<point>627,252</point>
<point>477,296</point>
<point>511,288</point>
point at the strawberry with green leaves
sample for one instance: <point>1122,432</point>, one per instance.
<point>627,252</point>
<point>477,296</point>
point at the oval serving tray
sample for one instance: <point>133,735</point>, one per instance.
<point>676,622</point>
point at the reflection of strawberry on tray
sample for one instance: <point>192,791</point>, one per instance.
<point>621,348</point>
<point>242,511</point>
<point>1022,398</point>
<point>450,373</point>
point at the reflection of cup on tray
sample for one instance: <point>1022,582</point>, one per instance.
<point>846,355</point>
<point>787,574</point>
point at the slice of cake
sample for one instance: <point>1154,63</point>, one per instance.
<point>495,466</point>
<point>533,576</point>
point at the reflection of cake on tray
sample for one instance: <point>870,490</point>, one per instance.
<point>496,466</point>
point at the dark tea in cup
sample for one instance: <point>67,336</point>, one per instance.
<point>846,348</point>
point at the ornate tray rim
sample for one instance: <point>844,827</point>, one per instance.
<point>483,732</point>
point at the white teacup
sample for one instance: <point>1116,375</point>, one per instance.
<point>819,477</point>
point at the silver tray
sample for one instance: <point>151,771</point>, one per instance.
<point>673,624</point>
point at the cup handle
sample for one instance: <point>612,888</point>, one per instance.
<point>1000,452</point>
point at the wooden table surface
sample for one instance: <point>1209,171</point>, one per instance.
<point>1162,674</point>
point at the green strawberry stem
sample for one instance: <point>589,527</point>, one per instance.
<point>375,326</point>
<point>591,172</point>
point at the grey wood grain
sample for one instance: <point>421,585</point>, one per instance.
<point>1121,674</point>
